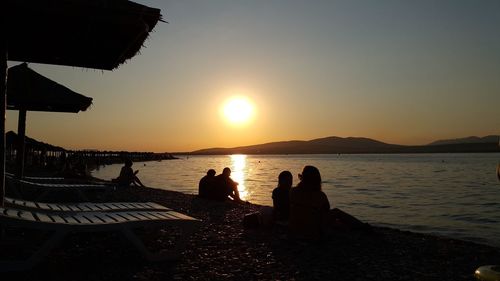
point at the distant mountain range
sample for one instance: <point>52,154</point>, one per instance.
<point>473,139</point>
<point>335,145</point>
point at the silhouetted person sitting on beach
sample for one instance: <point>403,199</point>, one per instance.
<point>281,196</point>
<point>206,185</point>
<point>310,214</point>
<point>225,187</point>
<point>128,176</point>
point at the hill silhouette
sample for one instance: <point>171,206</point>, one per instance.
<point>351,145</point>
<point>472,139</point>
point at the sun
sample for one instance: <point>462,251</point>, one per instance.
<point>238,110</point>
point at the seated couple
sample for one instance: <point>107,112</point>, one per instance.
<point>220,187</point>
<point>306,207</point>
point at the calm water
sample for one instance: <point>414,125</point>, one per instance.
<point>456,195</point>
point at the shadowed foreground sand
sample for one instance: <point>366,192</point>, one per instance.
<point>223,250</point>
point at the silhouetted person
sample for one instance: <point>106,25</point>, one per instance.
<point>281,196</point>
<point>206,185</point>
<point>309,206</point>
<point>128,176</point>
<point>225,187</point>
<point>310,214</point>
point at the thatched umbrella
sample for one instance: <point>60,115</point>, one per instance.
<point>100,34</point>
<point>28,90</point>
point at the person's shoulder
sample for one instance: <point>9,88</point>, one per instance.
<point>275,191</point>
<point>294,191</point>
<point>322,197</point>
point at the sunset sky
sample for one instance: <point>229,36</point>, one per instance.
<point>405,72</point>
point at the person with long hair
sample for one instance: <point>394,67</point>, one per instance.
<point>310,214</point>
<point>281,196</point>
<point>309,206</point>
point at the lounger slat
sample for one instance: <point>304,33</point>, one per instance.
<point>83,219</point>
<point>43,206</point>
<point>180,216</point>
<point>80,207</point>
<point>86,206</point>
<point>98,217</point>
<point>115,217</point>
<point>57,218</point>
<point>139,215</point>
<point>153,205</point>
<point>63,207</point>
<point>29,204</point>
<point>25,215</point>
<point>147,215</point>
<point>126,216</point>
<point>170,215</point>
<point>70,219</point>
<point>43,217</point>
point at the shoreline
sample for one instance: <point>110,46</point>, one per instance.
<point>221,249</point>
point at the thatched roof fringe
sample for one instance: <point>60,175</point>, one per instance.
<point>89,33</point>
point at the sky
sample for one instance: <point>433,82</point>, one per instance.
<point>402,72</point>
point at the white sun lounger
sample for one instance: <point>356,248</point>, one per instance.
<point>46,189</point>
<point>63,223</point>
<point>41,179</point>
<point>83,207</point>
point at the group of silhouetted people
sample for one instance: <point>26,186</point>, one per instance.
<point>304,209</point>
<point>220,187</point>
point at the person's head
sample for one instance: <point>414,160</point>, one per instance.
<point>128,162</point>
<point>226,172</point>
<point>211,172</point>
<point>285,179</point>
<point>310,178</point>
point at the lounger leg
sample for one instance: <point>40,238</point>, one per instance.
<point>53,241</point>
<point>171,254</point>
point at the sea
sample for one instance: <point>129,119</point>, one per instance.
<point>450,194</point>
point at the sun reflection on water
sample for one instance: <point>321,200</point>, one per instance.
<point>239,162</point>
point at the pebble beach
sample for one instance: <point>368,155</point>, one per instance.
<point>221,249</point>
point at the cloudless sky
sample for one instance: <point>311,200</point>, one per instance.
<point>405,72</point>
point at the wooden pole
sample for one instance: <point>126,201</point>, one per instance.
<point>21,134</point>
<point>3,104</point>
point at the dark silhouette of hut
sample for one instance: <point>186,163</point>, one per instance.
<point>99,34</point>
<point>28,90</point>
<point>39,154</point>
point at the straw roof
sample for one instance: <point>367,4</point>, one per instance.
<point>28,90</point>
<point>99,34</point>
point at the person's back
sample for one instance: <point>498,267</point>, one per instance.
<point>281,196</point>
<point>308,213</point>
<point>224,186</point>
<point>206,185</point>
<point>126,176</point>
<point>309,206</point>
